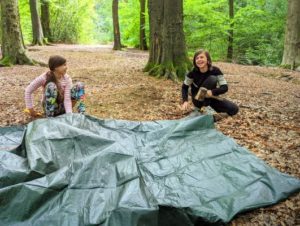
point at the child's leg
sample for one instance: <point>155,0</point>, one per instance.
<point>78,95</point>
<point>51,105</point>
<point>224,106</point>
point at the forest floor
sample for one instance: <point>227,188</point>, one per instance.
<point>268,123</point>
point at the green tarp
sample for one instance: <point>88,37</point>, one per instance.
<point>79,170</point>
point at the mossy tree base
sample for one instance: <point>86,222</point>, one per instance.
<point>39,42</point>
<point>20,59</point>
<point>13,51</point>
<point>168,57</point>
<point>168,71</point>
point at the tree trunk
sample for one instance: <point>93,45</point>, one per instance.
<point>117,38</point>
<point>230,31</point>
<point>37,31</point>
<point>168,55</point>
<point>45,19</point>
<point>291,54</point>
<point>0,29</point>
<point>13,51</point>
<point>143,42</point>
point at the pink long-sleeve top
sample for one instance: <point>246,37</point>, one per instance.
<point>65,82</point>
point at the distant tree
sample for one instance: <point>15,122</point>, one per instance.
<point>230,31</point>
<point>37,31</point>
<point>45,19</point>
<point>116,26</point>
<point>291,54</point>
<point>143,41</point>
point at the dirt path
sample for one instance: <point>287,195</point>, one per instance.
<point>269,98</point>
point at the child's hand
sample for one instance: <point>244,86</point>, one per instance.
<point>185,106</point>
<point>33,113</point>
<point>209,93</point>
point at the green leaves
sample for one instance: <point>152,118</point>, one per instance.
<point>259,33</point>
<point>25,19</point>
<point>258,29</point>
<point>259,26</point>
<point>206,26</point>
<point>72,21</point>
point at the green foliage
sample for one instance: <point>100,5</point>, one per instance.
<point>129,16</point>
<point>258,29</point>
<point>206,25</point>
<point>25,19</point>
<point>6,62</point>
<point>72,21</point>
<point>103,21</point>
<point>259,32</point>
<point>129,20</point>
<point>259,26</point>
